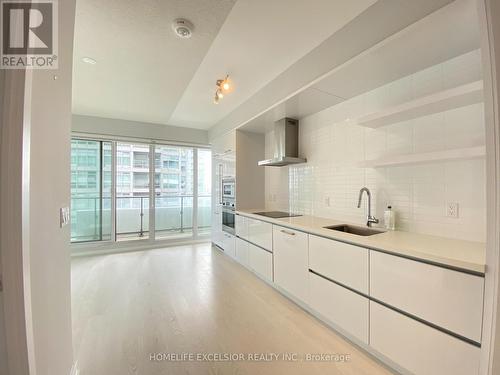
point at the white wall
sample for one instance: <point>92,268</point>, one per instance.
<point>334,145</point>
<point>133,129</point>
<point>49,186</point>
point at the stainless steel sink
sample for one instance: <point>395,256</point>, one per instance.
<point>360,231</point>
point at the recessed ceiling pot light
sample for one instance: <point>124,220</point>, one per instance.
<point>182,28</point>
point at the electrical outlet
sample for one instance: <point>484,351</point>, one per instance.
<point>452,209</point>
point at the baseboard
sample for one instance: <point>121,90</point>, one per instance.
<point>127,247</point>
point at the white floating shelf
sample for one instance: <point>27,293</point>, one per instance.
<point>460,96</point>
<point>427,157</point>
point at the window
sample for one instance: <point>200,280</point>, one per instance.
<point>171,181</point>
<point>171,164</point>
<point>123,159</point>
<point>141,159</point>
<point>176,204</point>
<point>123,180</point>
<point>141,180</point>
<point>90,190</point>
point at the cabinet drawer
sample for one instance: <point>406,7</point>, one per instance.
<point>341,306</point>
<point>344,263</point>
<point>261,261</point>
<point>291,270</point>
<point>242,252</point>
<point>241,227</point>
<point>450,299</point>
<point>260,233</point>
<point>419,348</point>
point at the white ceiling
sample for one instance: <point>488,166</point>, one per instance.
<point>145,73</point>
<point>142,68</point>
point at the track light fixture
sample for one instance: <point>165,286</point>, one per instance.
<point>223,86</point>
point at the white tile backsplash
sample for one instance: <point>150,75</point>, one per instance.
<point>334,145</point>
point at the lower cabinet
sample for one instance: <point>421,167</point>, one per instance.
<point>242,252</point>
<point>291,266</point>
<point>419,348</point>
<point>228,244</point>
<point>346,309</point>
<point>217,233</point>
<point>261,261</point>
<point>449,299</point>
<point>260,233</point>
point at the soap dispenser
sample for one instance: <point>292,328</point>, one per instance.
<point>389,218</point>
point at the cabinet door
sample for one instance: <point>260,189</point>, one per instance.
<point>241,226</point>
<point>260,233</point>
<point>229,245</point>
<point>420,349</point>
<point>346,309</point>
<point>242,252</point>
<point>291,269</point>
<point>447,298</point>
<point>344,263</point>
<point>217,234</point>
<point>261,261</point>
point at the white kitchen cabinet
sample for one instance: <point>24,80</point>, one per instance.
<point>242,252</point>
<point>229,245</point>
<point>291,266</point>
<point>450,299</point>
<point>346,309</point>
<point>261,262</point>
<point>241,226</point>
<point>419,348</point>
<point>341,262</point>
<point>260,233</point>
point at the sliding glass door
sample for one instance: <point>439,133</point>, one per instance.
<point>125,191</point>
<point>204,191</point>
<point>174,180</point>
<point>132,191</point>
<point>90,190</point>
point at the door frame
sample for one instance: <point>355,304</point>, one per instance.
<point>489,22</point>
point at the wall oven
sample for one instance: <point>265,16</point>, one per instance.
<point>228,219</point>
<point>228,204</point>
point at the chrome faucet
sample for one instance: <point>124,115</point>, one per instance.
<point>369,218</point>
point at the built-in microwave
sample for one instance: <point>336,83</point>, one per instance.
<point>228,188</point>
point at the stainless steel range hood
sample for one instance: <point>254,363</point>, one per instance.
<point>286,144</point>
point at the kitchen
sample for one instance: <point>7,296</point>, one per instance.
<point>252,187</point>
<point>313,211</point>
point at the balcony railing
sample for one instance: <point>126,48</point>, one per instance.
<point>173,215</point>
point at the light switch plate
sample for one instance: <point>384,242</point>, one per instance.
<point>64,216</point>
<point>452,209</point>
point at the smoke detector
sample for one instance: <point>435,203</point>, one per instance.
<point>182,28</point>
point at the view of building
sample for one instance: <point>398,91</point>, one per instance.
<point>91,183</point>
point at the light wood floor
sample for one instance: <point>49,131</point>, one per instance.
<point>192,299</point>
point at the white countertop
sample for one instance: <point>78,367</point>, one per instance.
<point>466,255</point>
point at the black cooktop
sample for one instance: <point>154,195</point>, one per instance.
<point>275,214</point>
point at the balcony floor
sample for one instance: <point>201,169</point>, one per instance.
<point>192,299</point>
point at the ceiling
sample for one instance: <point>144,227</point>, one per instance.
<point>449,32</point>
<point>145,73</point>
<point>142,67</point>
